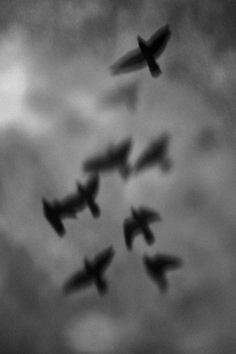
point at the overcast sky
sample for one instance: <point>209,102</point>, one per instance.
<point>59,104</point>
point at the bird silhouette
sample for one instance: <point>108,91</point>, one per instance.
<point>88,192</point>
<point>138,223</point>
<point>68,207</point>
<point>52,212</point>
<point>154,154</point>
<point>92,273</point>
<point>145,55</point>
<point>114,158</point>
<point>158,265</point>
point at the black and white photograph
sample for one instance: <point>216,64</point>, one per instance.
<point>117,177</point>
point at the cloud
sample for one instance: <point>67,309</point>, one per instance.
<point>59,105</point>
<point>126,95</point>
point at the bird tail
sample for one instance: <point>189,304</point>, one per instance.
<point>125,171</point>
<point>165,164</point>
<point>94,208</point>
<point>153,67</point>
<point>162,282</point>
<point>149,237</point>
<point>101,285</point>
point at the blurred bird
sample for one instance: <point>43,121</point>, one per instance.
<point>93,273</point>
<point>69,206</point>
<point>139,223</point>
<point>145,55</point>
<point>88,192</point>
<point>155,153</point>
<point>157,267</point>
<point>114,158</point>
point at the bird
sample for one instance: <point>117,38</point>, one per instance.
<point>157,266</point>
<point>92,273</point>
<point>154,154</point>
<point>88,192</point>
<point>114,158</point>
<point>139,223</point>
<point>69,206</point>
<point>145,55</point>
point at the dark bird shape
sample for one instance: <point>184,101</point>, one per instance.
<point>145,55</point>
<point>155,154</point>
<point>138,223</point>
<point>68,207</point>
<point>114,158</point>
<point>158,265</point>
<point>53,215</point>
<point>88,193</point>
<point>92,273</point>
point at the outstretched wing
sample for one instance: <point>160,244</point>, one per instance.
<point>148,214</point>
<point>70,205</point>
<point>97,163</point>
<point>131,61</point>
<point>154,153</point>
<point>123,149</point>
<point>147,158</point>
<point>158,40</point>
<point>103,259</point>
<point>53,218</point>
<point>92,185</point>
<point>130,231</point>
<point>166,262</point>
<point>78,281</point>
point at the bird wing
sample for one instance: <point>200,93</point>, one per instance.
<point>150,215</point>
<point>103,259</point>
<point>58,227</point>
<point>96,163</point>
<point>154,153</point>
<point>160,263</point>
<point>77,281</point>
<point>161,143</point>
<point>93,185</point>
<point>144,160</point>
<point>133,60</point>
<point>71,205</point>
<point>53,218</point>
<point>130,231</point>
<point>167,262</point>
<point>158,40</point>
<point>124,148</point>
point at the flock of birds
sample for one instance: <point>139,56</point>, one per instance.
<point>116,158</point>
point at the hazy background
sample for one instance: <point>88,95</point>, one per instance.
<point>59,104</point>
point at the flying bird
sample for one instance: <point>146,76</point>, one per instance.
<point>88,192</point>
<point>158,265</point>
<point>138,223</point>
<point>114,158</point>
<point>145,55</point>
<point>68,207</point>
<point>92,273</point>
<point>155,154</point>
